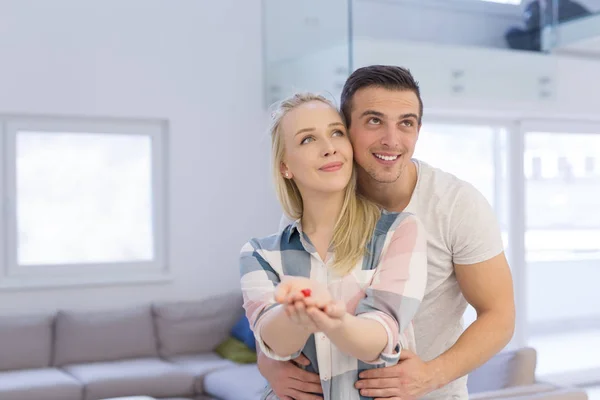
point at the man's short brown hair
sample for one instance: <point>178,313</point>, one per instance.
<point>384,76</point>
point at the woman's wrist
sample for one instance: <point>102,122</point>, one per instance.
<point>341,327</point>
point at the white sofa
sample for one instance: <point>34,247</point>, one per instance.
<point>166,351</point>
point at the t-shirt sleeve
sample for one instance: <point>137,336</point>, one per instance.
<point>474,230</point>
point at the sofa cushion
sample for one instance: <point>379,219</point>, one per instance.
<point>242,332</point>
<point>200,397</point>
<point>104,335</point>
<point>506,369</point>
<point>132,398</point>
<point>199,365</point>
<point>196,327</point>
<point>242,382</point>
<point>37,384</point>
<point>236,351</point>
<point>149,376</point>
<point>26,341</point>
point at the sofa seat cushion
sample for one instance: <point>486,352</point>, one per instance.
<point>243,382</point>
<point>198,397</point>
<point>199,365</point>
<point>37,384</point>
<point>147,376</point>
<point>132,398</point>
<point>542,391</point>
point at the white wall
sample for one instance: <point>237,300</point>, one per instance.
<point>195,63</point>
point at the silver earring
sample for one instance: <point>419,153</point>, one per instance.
<point>287,175</point>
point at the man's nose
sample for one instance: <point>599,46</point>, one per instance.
<point>391,137</point>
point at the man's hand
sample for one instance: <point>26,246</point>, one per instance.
<point>288,381</point>
<point>410,379</point>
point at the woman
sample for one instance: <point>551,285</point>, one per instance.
<point>342,283</point>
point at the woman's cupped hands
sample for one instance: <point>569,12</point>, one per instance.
<point>309,304</point>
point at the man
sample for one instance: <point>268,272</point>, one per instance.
<point>383,109</point>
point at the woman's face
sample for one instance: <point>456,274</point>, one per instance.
<point>318,153</point>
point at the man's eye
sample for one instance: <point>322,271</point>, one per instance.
<point>408,123</point>
<point>374,121</point>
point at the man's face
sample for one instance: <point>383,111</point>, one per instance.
<point>384,130</point>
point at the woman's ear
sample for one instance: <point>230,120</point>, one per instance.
<point>285,171</point>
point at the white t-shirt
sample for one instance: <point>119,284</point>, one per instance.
<point>461,228</point>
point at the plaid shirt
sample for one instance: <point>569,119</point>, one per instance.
<point>387,285</point>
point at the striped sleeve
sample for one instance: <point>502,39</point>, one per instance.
<point>258,282</point>
<point>398,284</point>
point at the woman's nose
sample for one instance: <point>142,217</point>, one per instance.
<point>329,149</point>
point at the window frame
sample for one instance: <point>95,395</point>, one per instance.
<point>15,276</point>
<point>3,202</point>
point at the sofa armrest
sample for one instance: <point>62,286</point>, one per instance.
<point>515,391</point>
<point>538,391</point>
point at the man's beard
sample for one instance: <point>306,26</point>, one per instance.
<point>390,177</point>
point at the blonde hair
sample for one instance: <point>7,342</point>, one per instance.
<point>357,219</point>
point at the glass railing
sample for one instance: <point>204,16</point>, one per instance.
<point>570,27</point>
<point>306,47</point>
<point>315,44</point>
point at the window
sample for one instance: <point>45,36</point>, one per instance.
<point>590,163</point>
<point>474,153</point>
<point>536,164</point>
<point>86,199</point>
<point>562,250</point>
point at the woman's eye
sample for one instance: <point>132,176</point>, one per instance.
<point>338,133</point>
<point>307,139</point>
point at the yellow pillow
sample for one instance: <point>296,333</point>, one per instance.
<point>236,351</point>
